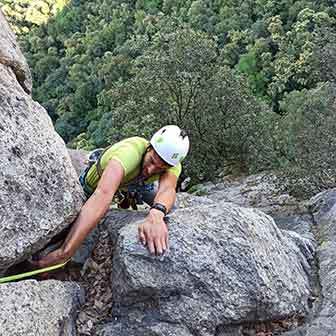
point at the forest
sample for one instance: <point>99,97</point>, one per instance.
<point>252,82</point>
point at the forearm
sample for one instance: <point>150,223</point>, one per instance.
<point>154,231</point>
<point>90,215</point>
<point>167,197</point>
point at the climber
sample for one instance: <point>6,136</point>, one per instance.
<point>126,172</point>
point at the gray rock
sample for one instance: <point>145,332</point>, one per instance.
<point>141,328</point>
<point>321,204</point>
<point>40,192</point>
<point>11,56</point>
<point>298,332</point>
<point>185,200</point>
<point>301,224</point>
<point>325,322</point>
<point>86,248</point>
<point>262,191</point>
<point>306,246</point>
<point>121,218</point>
<point>324,211</point>
<point>79,159</point>
<point>31,308</point>
<point>226,265</point>
<point>116,219</point>
<point>233,330</point>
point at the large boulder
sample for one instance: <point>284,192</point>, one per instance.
<point>40,192</point>
<point>263,191</point>
<point>323,208</point>
<point>226,265</point>
<point>11,55</point>
<point>185,200</point>
<point>136,328</point>
<point>79,159</point>
<point>31,308</point>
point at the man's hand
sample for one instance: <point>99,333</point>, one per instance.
<point>53,258</point>
<point>153,232</point>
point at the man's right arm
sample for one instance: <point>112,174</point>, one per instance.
<point>90,215</point>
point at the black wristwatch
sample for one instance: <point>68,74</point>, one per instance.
<point>159,206</point>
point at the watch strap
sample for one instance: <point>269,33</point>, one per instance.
<point>159,206</point>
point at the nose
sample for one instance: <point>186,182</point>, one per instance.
<point>151,169</point>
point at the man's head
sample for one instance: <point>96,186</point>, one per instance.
<point>152,163</point>
<point>168,147</point>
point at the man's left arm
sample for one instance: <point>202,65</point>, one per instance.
<point>153,232</point>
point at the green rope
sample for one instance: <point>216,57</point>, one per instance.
<point>31,273</point>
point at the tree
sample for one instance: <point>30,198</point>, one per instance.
<point>23,15</point>
<point>306,139</point>
<point>178,80</point>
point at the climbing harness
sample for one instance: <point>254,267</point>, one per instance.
<point>31,273</point>
<point>132,196</point>
<point>94,158</point>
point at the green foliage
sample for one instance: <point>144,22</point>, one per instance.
<point>325,49</point>
<point>272,43</point>
<point>23,15</point>
<point>105,69</point>
<point>179,80</point>
<point>308,139</point>
<point>296,65</point>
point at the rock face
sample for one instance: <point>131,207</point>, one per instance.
<point>31,308</point>
<point>323,207</point>
<point>11,56</point>
<point>78,159</point>
<point>261,191</point>
<point>266,193</point>
<point>137,329</point>
<point>226,265</point>
<point>185,200</point>
<point>40,194</point>
<point>323,323</point>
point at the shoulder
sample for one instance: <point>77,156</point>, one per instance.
<point>137,144</point>
<point>176,170</point>
<point>128,152</point>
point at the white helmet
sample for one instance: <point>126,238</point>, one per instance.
<point>171,144</point>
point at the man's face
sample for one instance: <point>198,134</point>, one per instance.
<point>153,164</point>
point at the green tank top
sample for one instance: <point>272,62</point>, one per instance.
<point>129,153</point>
